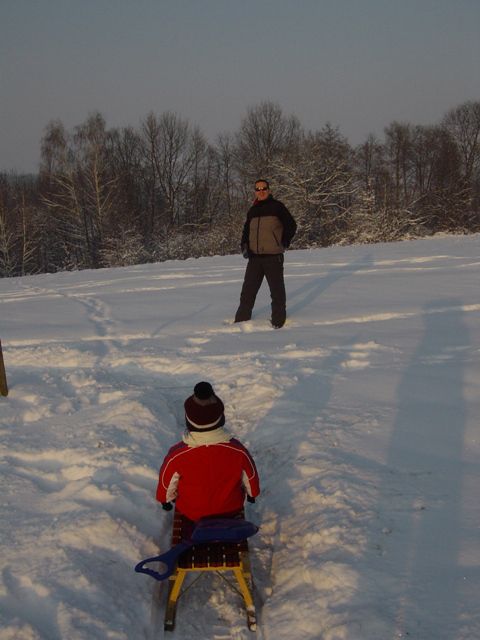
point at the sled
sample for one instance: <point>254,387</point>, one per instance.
<point>3,375</point>
<point>212,544</point>
<point>220,557</point>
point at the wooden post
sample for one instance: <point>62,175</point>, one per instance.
<point>3,375</point>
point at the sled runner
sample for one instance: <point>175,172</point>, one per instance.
<point>212,544</point>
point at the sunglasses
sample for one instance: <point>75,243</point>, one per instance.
<point>261,188</point>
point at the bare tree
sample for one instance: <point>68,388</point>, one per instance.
<point>398,144</point>
<point>463,123</point>
<point>150,144</point>
<point>172,152</point>
<point>27,244</point>
<point>97,184</point>
<point>264,137</point>
<point>7,247</point>
<point>126,161</point>
<point>197,188</point>
<point>369,160</point>
<point>225,174</point>
<point>54,149</point>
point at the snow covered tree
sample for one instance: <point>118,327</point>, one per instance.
<point>317,184</point>
<point>123,248</point>
<point>80,190</point>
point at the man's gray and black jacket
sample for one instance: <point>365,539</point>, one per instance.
<point>269,228</point>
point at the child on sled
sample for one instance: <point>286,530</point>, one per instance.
<point>208,473</point>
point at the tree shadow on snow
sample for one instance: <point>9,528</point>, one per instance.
<point>423,492</point>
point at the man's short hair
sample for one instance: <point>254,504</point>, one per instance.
<point>262,180</point>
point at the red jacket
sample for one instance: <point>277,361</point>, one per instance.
<point>209,479</point>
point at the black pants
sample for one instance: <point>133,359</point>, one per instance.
<point>258,267</point>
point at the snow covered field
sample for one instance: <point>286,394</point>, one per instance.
<point>362,414</point>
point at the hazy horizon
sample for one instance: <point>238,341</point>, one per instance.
<point>359,66</point>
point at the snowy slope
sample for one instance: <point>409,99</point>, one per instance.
<point>362,414</point>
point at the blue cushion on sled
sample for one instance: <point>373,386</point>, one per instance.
<point>223,530</point>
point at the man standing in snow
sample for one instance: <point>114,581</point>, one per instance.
<point>268,231</point>
<point>209,473</point>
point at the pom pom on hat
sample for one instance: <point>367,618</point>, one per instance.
<point>203,390</point>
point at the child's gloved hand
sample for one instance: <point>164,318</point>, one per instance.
<point>250,499</point>
<point>167,506</point>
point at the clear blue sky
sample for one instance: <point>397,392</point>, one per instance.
<point>359,64</point>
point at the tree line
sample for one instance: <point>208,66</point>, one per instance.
<point>113,197</point>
